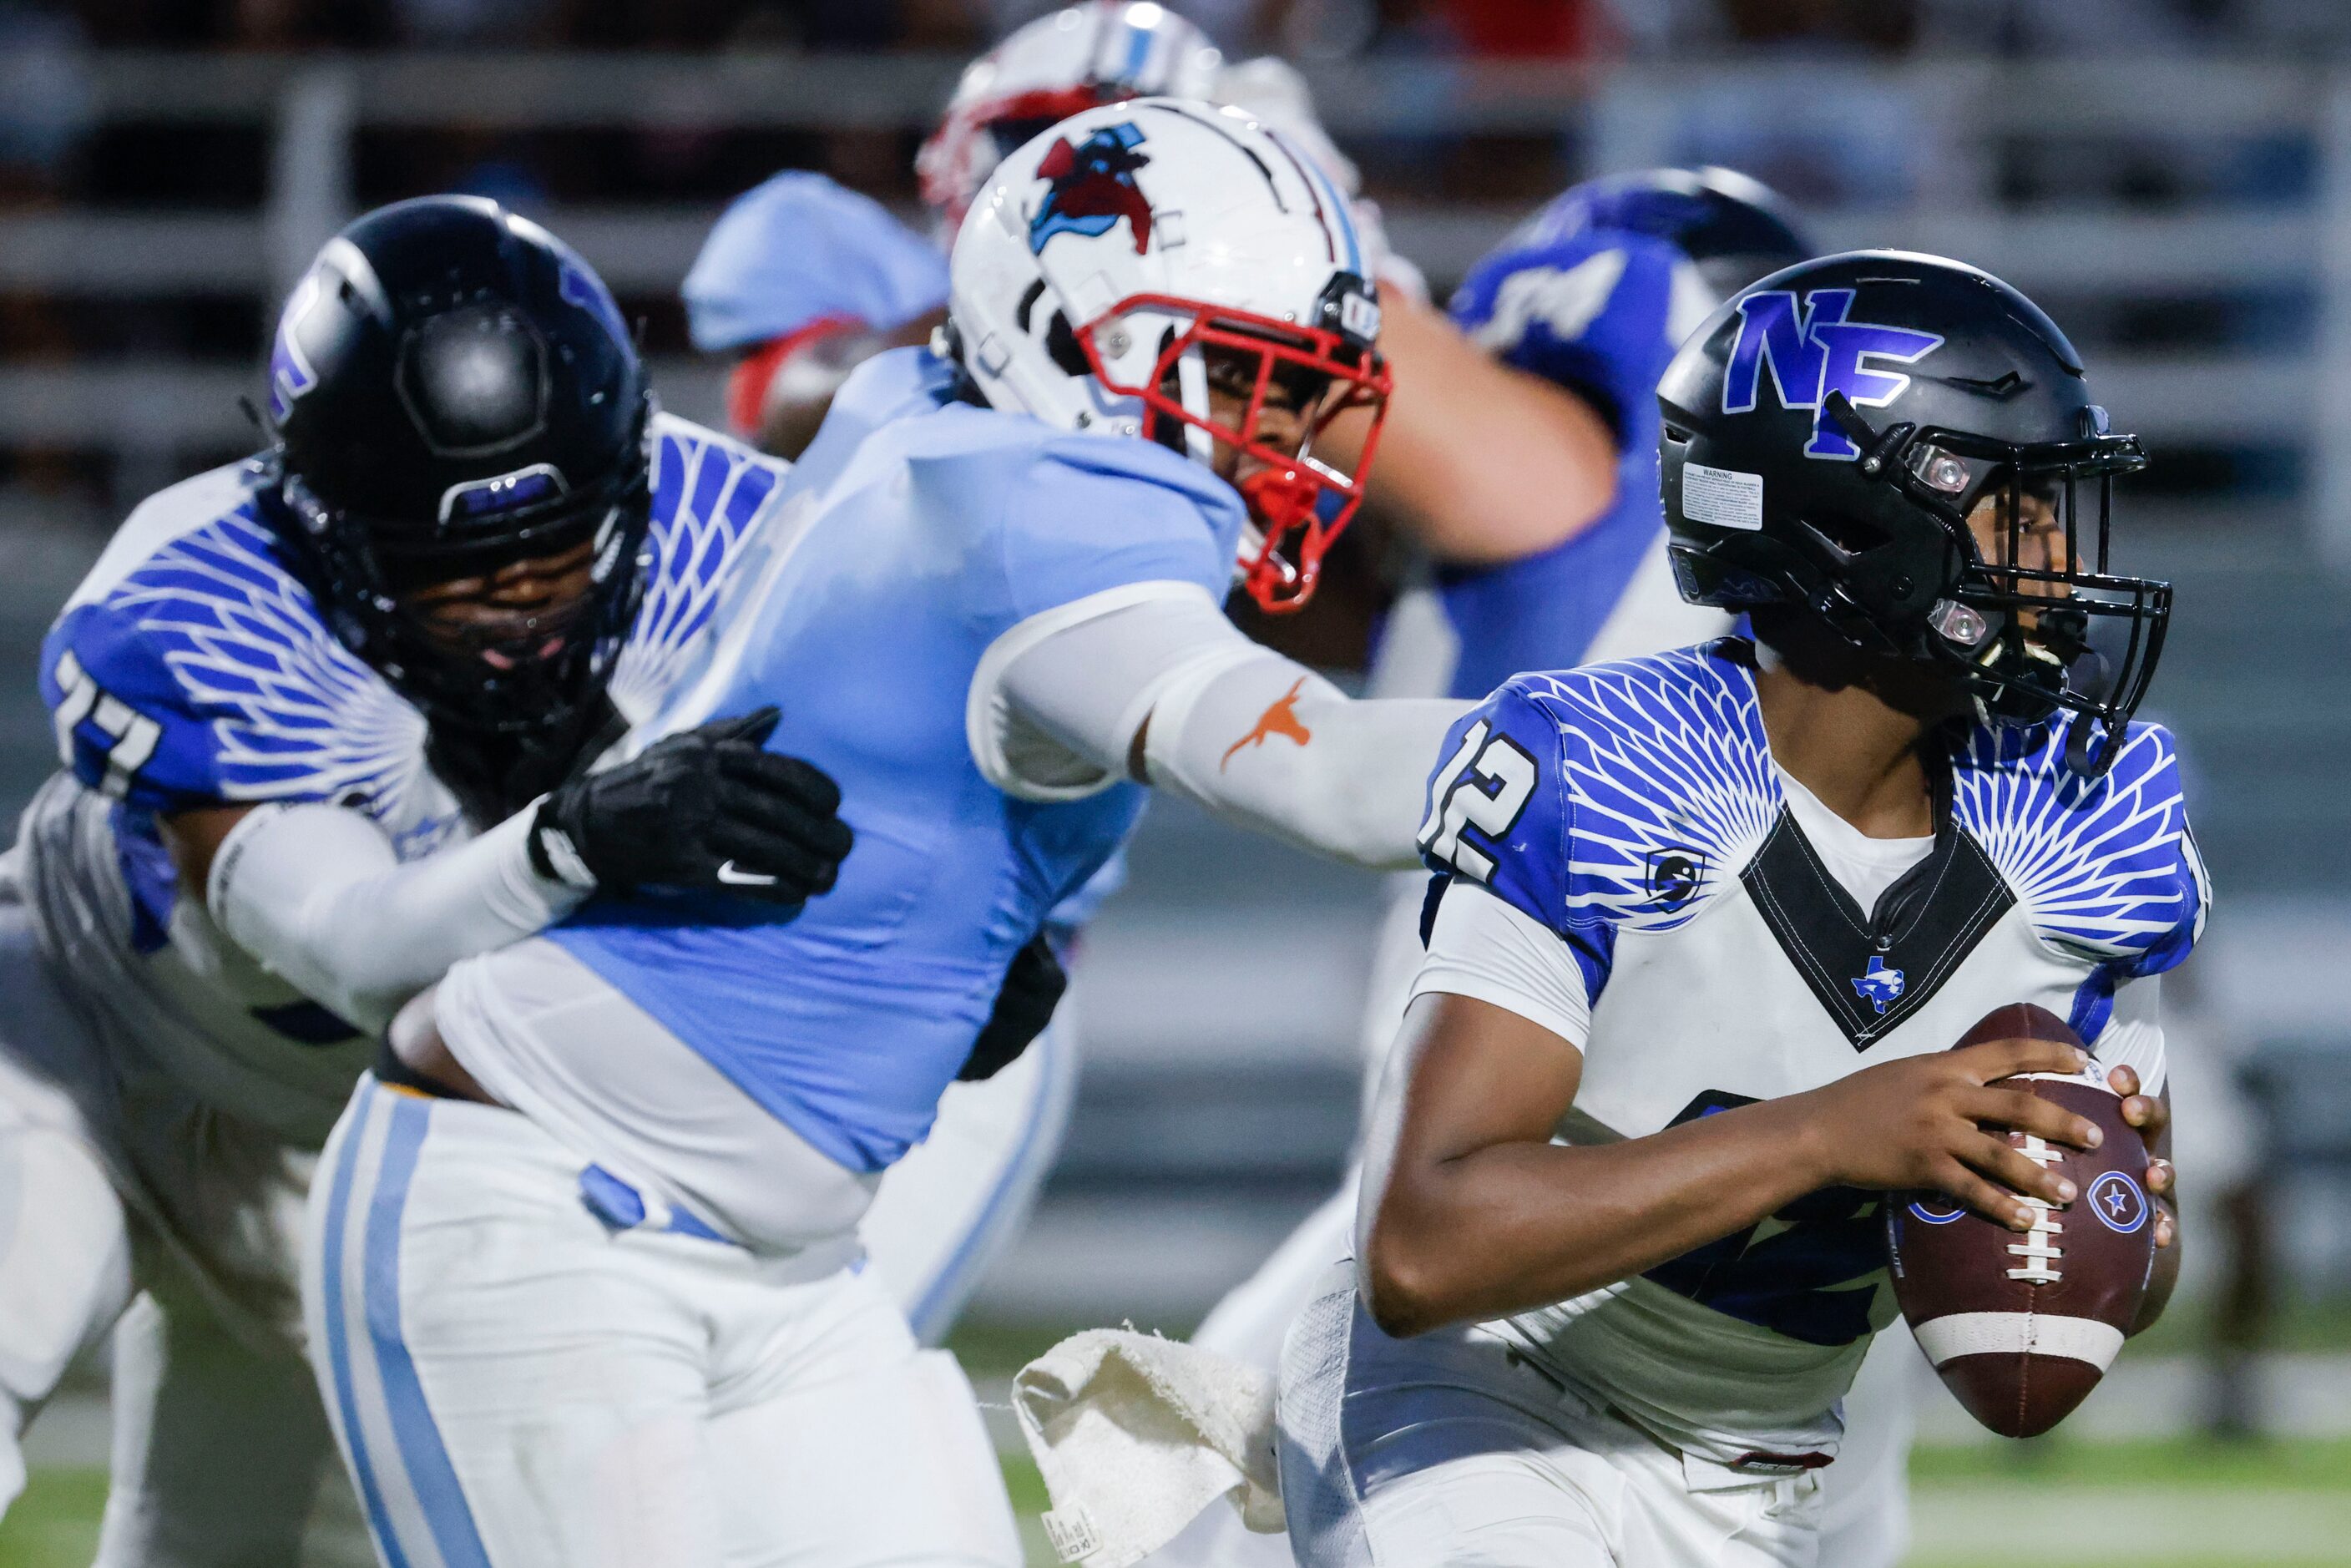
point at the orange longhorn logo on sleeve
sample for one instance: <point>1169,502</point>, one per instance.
<point>1281,719</point>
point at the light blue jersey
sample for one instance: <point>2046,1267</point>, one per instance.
<point>917,531</point>
<point>800,249</point>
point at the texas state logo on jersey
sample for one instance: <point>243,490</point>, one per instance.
<point>1635,809</point>
<point>193,668</point>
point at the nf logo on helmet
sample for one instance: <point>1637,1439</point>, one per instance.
<point>580,287</point>
<point>1812,350</point>
<point>1093,186</point>
<point>290,372</point>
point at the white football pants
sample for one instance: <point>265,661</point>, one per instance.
<point>222,1456</point>
<point>1451,1448</point>
<point>514,1384</point>
<point>112,1184</point>
<point>1866,1507</point>
<point>953,1206</point>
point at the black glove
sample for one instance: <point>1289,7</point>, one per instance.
<point>707,809</point>
<point>1032,987</point>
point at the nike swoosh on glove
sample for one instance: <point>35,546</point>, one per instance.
<point>709,809</point>
<point>1032,988</point>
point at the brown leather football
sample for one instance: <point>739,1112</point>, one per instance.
<point>2022,1324</point>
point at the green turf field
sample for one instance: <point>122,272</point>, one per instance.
<point>2180,1503</point>
<point>2151,1505</point>
<point>55,1524</point>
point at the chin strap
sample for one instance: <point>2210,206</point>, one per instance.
<point>494,775</point>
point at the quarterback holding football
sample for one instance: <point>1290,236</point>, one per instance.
<point>1705,926</point>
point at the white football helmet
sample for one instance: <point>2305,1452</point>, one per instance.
<point>1101,52</point>
<point>1116,264</point>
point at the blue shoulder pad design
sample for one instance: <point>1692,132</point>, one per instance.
<point>708,492</point>
<point>799,248</point>
<point>1612,796</point>
<point>1594,311</point>
<point>203,674</point>
<point>2107,867</point>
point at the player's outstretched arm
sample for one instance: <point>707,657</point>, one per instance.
<point>1478,461</point>
<point>318,894</point>
<point>1471,1212</point>
<point>1168,692</point>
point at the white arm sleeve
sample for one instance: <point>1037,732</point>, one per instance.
<point>1483,946</point>
<point>2133,1037</point>
<point>316,894</point>
<point>1256,738</point>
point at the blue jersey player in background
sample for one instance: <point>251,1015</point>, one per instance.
<point>1588,300</point>
<point>990,606</point>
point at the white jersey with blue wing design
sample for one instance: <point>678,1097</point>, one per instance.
<point>1633,812</point>
<point>192,668</point>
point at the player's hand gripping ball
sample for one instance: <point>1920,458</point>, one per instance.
<point>2022,1324</point>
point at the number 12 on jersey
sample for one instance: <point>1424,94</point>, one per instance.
<point>1485,785</point>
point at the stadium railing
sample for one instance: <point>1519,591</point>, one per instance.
<point>1944,122</point>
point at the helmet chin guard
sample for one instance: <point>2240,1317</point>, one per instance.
<point>1169,271</point>
<point>2027,638</point>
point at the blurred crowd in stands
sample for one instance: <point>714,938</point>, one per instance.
<point>47,118</point>
<point>1539,28</point>
<point>1818,123</point>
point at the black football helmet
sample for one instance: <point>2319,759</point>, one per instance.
<point>1830,433</point>
<point>452,390</point>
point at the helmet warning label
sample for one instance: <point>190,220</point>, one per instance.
<point>1723,496</point>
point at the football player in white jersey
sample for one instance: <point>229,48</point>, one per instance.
<point>1704,926</point>
<point>323,716</point>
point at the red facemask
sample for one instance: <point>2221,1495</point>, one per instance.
<point>971,141</point>
<point>747,384</point>
<point>1299,503</point>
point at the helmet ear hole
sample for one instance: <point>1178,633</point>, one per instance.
<point>1061,344</point>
